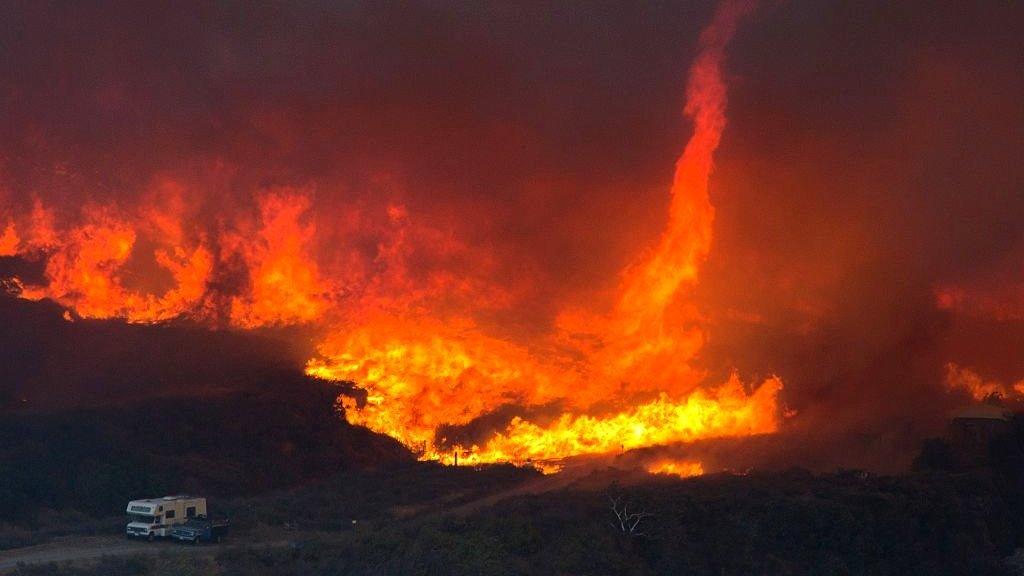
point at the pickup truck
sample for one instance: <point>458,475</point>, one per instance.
<point>199,530</point>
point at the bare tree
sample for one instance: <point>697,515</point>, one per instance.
<point>625,521</point>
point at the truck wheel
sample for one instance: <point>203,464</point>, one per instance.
<point>195,541</point>
<point>150,537</point>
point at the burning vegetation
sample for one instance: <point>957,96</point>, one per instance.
<point>622,375</point>
<point>496,305</point>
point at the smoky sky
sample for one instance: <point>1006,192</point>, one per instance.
<point>872,156</point>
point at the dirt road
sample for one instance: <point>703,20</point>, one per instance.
<point>85,549</point>
<point>93,548</point>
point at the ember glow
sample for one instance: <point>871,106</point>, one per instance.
<point>681,468</point>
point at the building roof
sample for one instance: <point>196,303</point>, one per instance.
<point>982,412</point>
<point>163,500</point>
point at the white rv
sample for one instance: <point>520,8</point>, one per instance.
<point>153,518</point>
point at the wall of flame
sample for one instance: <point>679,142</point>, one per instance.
<point>473,322</point>
<point>621,374</point>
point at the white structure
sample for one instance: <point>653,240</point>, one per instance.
<point>153,518</point>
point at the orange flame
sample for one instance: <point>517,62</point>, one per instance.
<point>622,375</point>
<point>725,411</point>
<point>681,468</point>
<point>960,378</point>
<point>422,372</point>
<point>650,287</point>
<point>87,271</point>
<point>285,284</point>
<point>9,241</point>
<point>148,265</point>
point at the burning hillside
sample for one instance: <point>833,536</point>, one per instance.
<point>508,272</point>
<point>423,366</point>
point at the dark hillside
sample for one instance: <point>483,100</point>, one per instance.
<point>50,360</point>
<point>790,523</point>
<point>94,460</point>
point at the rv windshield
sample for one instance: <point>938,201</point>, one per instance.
<point>142,518</point>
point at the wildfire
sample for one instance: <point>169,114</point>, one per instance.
<point>146,265</point>
<point>429,372</point>
<point>423,373</point>
<point>619,375</point>
<point>725,411</point>
<point>960,378</point>
<point>88,270</point>
<point>681,468</point>
<point>284,280</point>
<point>9,241</point>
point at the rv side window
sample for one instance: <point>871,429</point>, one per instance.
<point>169,515</point>
<point>190,512</point>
